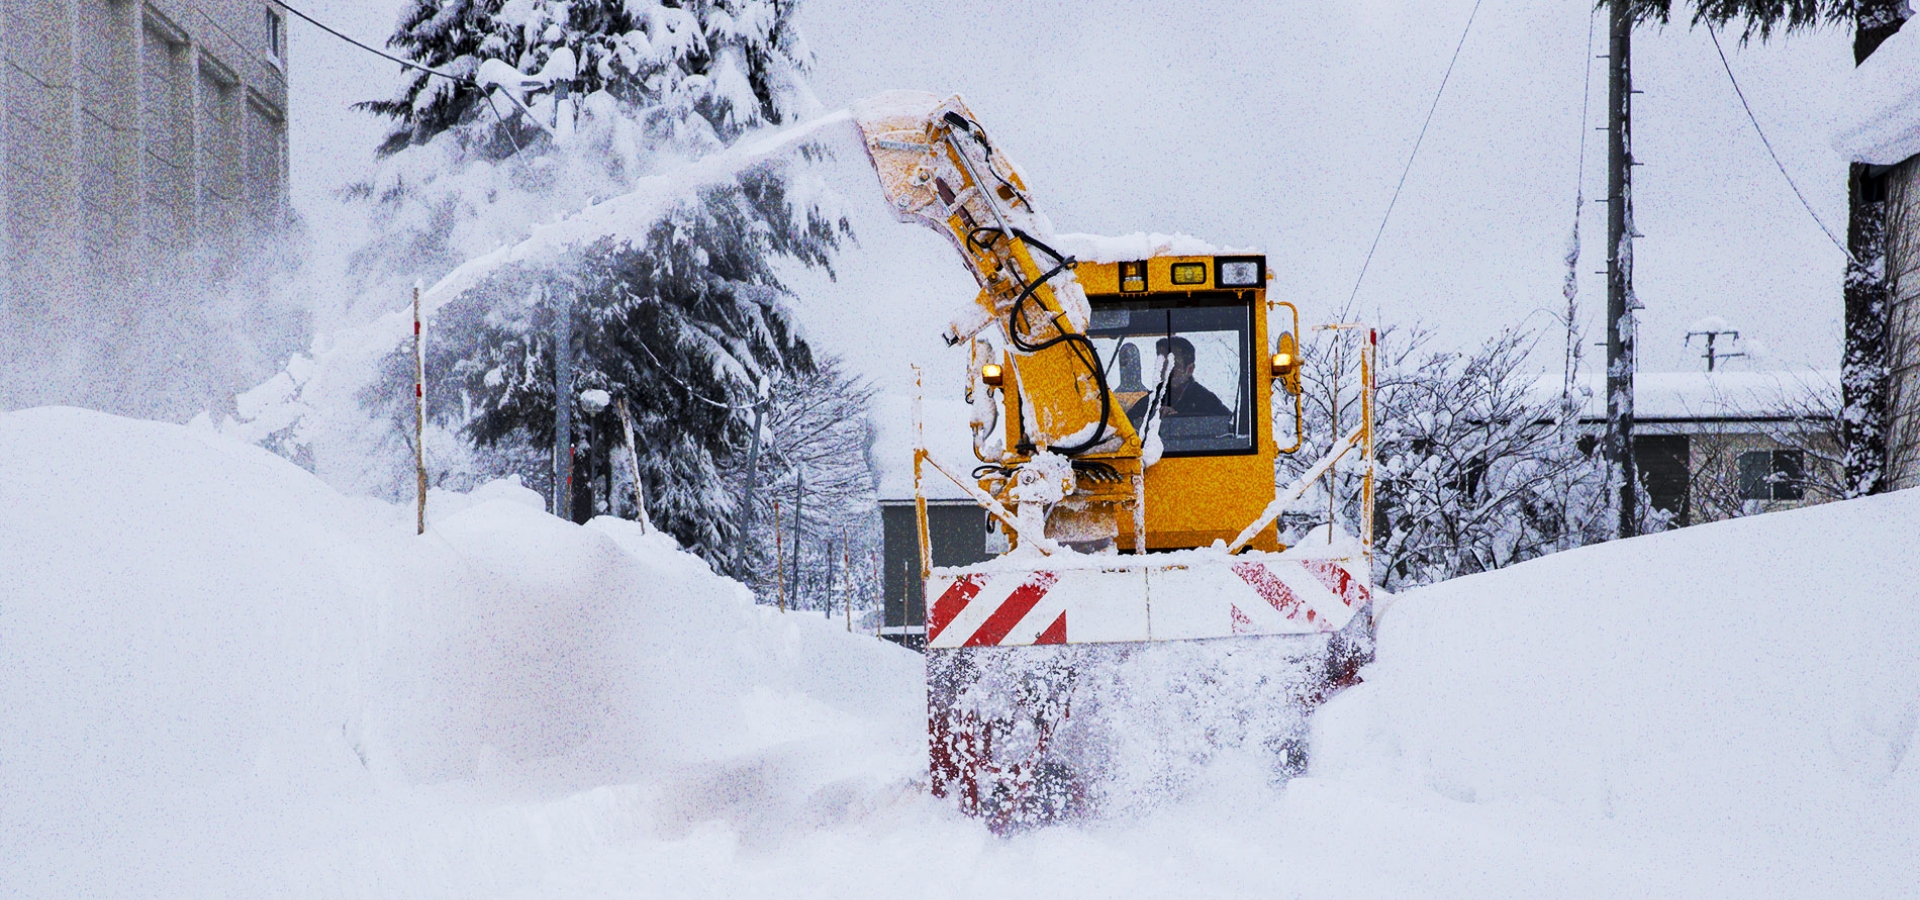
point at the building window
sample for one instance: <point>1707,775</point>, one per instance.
<point>1773,475</point>
<point>274,37</point>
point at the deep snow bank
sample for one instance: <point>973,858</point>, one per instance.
<point>1735,703</point>
<point>218,677</point>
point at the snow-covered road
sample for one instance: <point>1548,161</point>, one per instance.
<point>219,677</point>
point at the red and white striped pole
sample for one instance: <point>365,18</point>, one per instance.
<point>419,418</point>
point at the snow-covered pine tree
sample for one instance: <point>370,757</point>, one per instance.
<point>694,72</point>
<point>684,317</point>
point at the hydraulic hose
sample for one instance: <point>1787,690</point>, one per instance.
<point>1082,346</point>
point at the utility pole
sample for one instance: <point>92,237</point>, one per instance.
<point>563,407</point>
<point>1620,300</point>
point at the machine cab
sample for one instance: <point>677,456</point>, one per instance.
<point>1187,333</point>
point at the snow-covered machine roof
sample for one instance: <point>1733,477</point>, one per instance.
<point>1099,248</point>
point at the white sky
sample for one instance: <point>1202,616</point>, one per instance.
<point>1284,126</point>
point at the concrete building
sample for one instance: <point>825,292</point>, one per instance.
<point>144,150</point>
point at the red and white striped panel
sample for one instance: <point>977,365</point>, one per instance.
<point>1252,594</point>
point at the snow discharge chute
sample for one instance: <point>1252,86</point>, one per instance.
<point>1124,423</point>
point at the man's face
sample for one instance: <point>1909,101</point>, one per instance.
<point>1180,374</point>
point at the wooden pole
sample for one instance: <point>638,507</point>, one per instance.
<point>779,562</point>
<point>799,500</point>
<point>633,468</point>
<point>419,418</point>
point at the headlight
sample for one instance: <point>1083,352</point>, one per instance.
<point>1241,272</point>
<point>1189,273</point>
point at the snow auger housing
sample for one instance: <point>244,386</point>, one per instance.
<point>1124,423</point>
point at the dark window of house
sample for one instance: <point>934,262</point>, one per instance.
<point>1773,475</point>
<point>1665,463</point>
<point>273,34</point>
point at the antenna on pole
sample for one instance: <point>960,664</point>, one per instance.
<point>1710,332</point>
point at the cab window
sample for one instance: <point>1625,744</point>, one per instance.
<point>1189,356</point>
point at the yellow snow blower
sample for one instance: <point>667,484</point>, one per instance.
<point>1128,415</point>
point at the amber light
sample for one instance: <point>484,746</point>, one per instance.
<point>1286,362</point>
<point>1133,276</point>
<point>1189,273</point>
<point>992,374</point>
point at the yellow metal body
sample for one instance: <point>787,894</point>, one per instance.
<point>937,168</point>
<point>1194,500</point>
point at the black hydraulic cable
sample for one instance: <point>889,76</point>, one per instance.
<point>1082,346</point>
<point>978,133</point>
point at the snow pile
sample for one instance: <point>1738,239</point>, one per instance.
<point>1880,123</point>
<point>218,677</point>
<point>1726,710</point>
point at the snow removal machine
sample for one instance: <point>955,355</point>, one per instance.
<point>1128,414</point>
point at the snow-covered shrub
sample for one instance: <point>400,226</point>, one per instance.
<point>1479,459</point>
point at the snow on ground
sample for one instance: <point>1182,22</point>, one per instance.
<point>218,677</point>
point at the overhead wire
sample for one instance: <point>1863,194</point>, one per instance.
<point>486,95</point>
<point>373,50</point>
<point>690,389</point>
<point>695,392</point>
<point>1571,289</point>
<point>1737,92</point>
<point>1365,264</point>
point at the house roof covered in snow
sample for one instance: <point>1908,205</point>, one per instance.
<point>1880,118</point>
<point>1720,396</point>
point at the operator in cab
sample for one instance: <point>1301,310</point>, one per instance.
<point>1184,396</point>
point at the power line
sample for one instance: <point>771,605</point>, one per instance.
<point>690,389</point>
<point>373,50</point>
<point>693,391</point>
<point>486,95</point>
<point>1410,158</point>
<point>1737,92</point>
